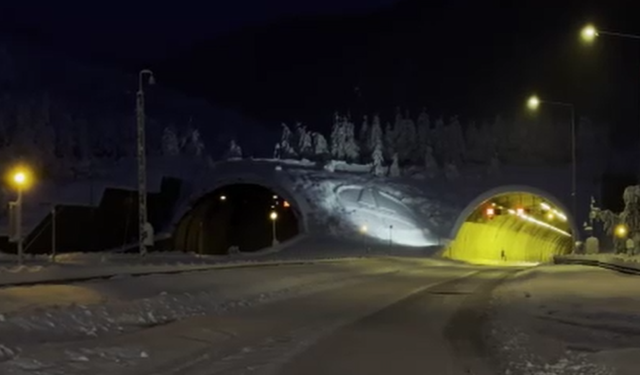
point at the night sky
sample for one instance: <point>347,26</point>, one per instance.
<point>288,60</point>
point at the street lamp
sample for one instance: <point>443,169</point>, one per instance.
<point>273,216</point>
<point>20,178</point>
<point>533,103</point>
<point>589,33</point>
<point>143,225</point>
<point>621,231</point>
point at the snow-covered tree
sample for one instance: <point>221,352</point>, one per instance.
<point>375,134</point>
<point>430,163</point>
<point>473,141</point>
<point>170,143</point>
<point>286,148</point>
<point>305,143</point>
<point>455,140</point>
<point>377,156</point>
<point>405,138</point>
<point>423,127</point>
<point>351,149</point>
<point>389,141</point>
<point>338,138</point>
<point>276,151</point>
<point>193,143</point>
<point>394,169</point>
<point>363,137</point>
<point>439,140</point>
<point>234,151</point>
<point>451,171</point>
<point>320,147</point>
<point>494,165</point>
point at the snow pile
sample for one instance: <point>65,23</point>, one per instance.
<point>566,320</point>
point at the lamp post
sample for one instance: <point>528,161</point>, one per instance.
<point>142,160</point>
<point>273,216</point>
<point>533,103</point>
<point>589,33</point>
<point>20,178</point>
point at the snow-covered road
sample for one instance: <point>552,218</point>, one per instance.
<point>361,316</point>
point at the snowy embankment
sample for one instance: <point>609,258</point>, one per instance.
<point>567,320</point>
<point>72,315</point>
<point>617,262</point>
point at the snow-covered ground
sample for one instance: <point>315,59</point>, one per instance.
<point>568,320</point>
<point>59,314</point>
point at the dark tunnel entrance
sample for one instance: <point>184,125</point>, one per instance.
<point>242,215</point>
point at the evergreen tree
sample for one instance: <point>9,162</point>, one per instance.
<point>389,141</point>
<point>235,151</point>
<point>456,140</point>
<point>451,171</point>
<point>338,138</point>
<point>439,140</point>
<point>474,143</point>
<point>375,134</point>
<point>320,147</point>
<point>276,151</point>
<point>305,143</point>
<point>170,143</point>
<point>378,158</point>
<point>363,138</point>
<point>286,149</point>
<point>430,163</point>
<point>394,169</point>
<point>422,136</point>
<point>193,144</point>
<point>351,149</point>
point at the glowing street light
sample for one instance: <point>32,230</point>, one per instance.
<point>223,197</point>
<point>20,178</point>
<point>363,229</point>
<point>533,103</point>
<point>621,231</point>
<point>274,217</point>
<point>589,33</point>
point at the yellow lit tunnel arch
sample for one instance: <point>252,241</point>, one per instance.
<point>512,225</point>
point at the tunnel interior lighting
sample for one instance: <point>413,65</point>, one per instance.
<point>491,211</point>
<point>545,206</point>
<point>286,204</point>
<point>520,211</point>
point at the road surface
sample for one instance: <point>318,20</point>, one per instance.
<point>413,318</point>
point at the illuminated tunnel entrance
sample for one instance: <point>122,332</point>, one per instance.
<point>512,227</point>
<point>242,215</point>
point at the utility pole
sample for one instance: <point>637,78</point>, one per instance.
<point>142,161</point>
<point>53,233</point>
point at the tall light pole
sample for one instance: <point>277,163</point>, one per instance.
<point>20,178</point>
<point>533,103</point>
<point>589,33</point>
<point>142,161</point>
<point>273,216</point>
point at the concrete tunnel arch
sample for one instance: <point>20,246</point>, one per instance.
<point>499,191</point>
<point>186,221</point>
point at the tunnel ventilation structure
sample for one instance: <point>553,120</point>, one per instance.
<point>238,217</point>
<point>512,227</point>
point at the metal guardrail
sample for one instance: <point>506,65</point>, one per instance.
<point>598,263</point>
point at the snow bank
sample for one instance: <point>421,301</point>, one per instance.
<point>562,320</point>
<point>618,262</point>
